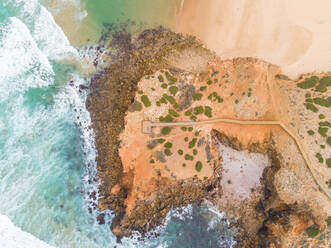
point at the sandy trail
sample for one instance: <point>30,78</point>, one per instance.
<point>293,34</point>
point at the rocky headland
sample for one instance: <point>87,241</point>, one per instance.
<point>256,174</point>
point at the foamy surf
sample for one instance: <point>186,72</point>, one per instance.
<point>13,237</point>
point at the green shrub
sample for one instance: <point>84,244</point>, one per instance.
<point>197,96</point>
<point>160,141</point>
<point>186,139</point>
<point>325,124</point>
<point>322,146</point>
<point>323,84</point>
<point>140,92</point>
<point>184,128</point>
<point>165,130</point>
<point>328,162</point>
<point>170,78</point>
<point>308,83</point>
<point>192,143</point>
<point>328,141</point>
<point>180,152</point>
<point>312,231</point>
<point>158,104</point>
<point>321,116</point>
<point>209,82</point>
<point>323,102</point>
<point>164,86</point>
<point>198,166</point>
<point>193,118</point>
<point>167,118</point>
<point>168,145</point>
<point>183,164</point>
<point>188,157</point>
<point>328,221</point>
<point>236,101</point>
<point>160,77</point>
<point>147,103</point>
<point>152,161</point>
<point>195,152</point>
<point>153,89</point>
<point>196,133</point>
<point>311,107</point>
<point>170,99</point>
<point>208,111</point>
<point>203,88</point>
<point>308,95</point>
<point>198,110</point>
<point>173,113</point>
<point>190,129</point>
<point>167,152</point>
<point>163,100</point>
<point>319,157</point>
<point>249,94</point>
<point>310,132</point>
<point>188,113</point>
<point>322,131</point>
<point>173,90</point>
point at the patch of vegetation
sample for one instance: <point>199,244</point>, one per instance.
<point>167,118</point>
<point>322,146</point>
<point>152,161</point>
<point>310,132</point>
<point>231,94</point>
<point>197,96</point>
<point>193,118</point>
<point>215,97</point>
<point>328,162</point>
<point>308,83</point>
<point>160,141</point>
<point>173,90</point>
<point>205,178</point>
<point>163,100</point>
<point>236,101</point>
<point>171,100</point>
<point>188,113</point>
<point>183,164</point>
<point>328,221</point>
<point>323,84</point>
<point>195,152</point>
<point>322,131</point>
<point>328,141</point>
<point>321,116</point>
<point>151,145</point>
<point>166,130</point>
<point>323,102</point>
<point>208,111</point>
<point>153,89</point>
<point>198,166</point>
<point>167,152</point>
<point>196,133</point>
<point>312,231</point>
<point>188,157</point>
<point>186,139</point>
<point>192,143</point>
<point>164,86</point>
<point>215,80</point>
<point>319,157</point>
<point>311,107</point>
<point>140,92</point>
<point>209,82</point>
<point>147,103</point>
<point>190,129</point>
<point>170,78</point>
<point>198,110</point>
<point>168,145</point>
<point>184,128</point>
<point>203,88</point>
<point>328,183</point>
<point>180,152</point>
<point>249,94</point>
<point>278,76</point>
<point>309,100</point>
<point>307,95</point>
<point>325,124</point>
<point>161,79</point>
<point>173,113</point>
<point>136,106</point>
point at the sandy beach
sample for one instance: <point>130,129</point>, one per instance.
<point>292,34</point>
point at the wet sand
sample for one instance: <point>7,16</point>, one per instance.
<point>292,34</point>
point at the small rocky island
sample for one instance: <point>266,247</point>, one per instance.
<point>272,180</point>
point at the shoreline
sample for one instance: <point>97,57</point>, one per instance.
<point>298,31</point>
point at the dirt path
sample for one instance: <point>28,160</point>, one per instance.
<point>148,125</point>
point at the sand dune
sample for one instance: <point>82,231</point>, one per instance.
<point>294,34</point>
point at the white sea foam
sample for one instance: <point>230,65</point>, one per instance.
<point>13,237</point>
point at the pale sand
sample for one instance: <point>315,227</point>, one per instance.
<point>295,35</point>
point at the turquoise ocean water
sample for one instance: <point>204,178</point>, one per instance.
<point>47,153</point>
